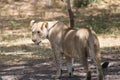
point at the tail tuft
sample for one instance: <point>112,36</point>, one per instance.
<point>105,65</point>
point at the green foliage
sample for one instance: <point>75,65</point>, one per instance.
<point>80,3</point>
<point>103,24</point>
<point>97,23</point>
<point>15,24</point>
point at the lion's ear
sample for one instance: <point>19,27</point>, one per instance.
<point>32,22</point>
<point>46,25</point>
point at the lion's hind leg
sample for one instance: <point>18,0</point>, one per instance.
<point>96,57</point>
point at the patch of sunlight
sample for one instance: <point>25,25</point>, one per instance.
<point>11,77</point>
<point>14,68</point>
<point>109,41</point>
<point>17,53</point>
<point>24,41</point>
<point>17,42</point>
<point>42,75</point>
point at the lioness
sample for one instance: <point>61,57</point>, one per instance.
<point>72,43</point>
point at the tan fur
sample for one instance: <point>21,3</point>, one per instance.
<point>72,43</point>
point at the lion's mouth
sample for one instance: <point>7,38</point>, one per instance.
<point>38,43</point>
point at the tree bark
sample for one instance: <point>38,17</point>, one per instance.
<point>48,3</point>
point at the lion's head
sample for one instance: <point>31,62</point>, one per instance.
<point>39,31</point>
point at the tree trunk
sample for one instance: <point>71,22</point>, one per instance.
<point>71,16</point>
<point>48,3</point>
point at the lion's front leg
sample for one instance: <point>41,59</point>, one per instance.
<point>58,58</point>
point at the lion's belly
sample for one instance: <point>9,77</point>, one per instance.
<point>71,50</point>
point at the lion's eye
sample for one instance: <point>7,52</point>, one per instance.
<point>32,32</point>
<point>38,32</point>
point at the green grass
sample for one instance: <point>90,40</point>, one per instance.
<point>104,23</point>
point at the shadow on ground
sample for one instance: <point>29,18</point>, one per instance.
<point>28,62</point>
<point>34,67</point>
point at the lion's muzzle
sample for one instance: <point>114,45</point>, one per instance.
<point>35,41</point>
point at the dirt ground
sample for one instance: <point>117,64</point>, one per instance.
<point>26,61</point>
